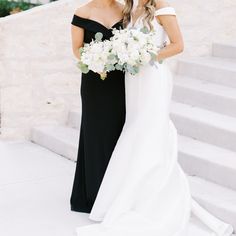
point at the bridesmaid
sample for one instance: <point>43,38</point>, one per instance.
<point>103,104</point>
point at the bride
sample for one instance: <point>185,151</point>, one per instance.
<point>144,190</point>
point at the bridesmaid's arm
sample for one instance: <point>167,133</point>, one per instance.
<point>171,26</point>
<point>77,34</point>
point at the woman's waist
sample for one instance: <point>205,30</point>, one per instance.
<point>92,74</point>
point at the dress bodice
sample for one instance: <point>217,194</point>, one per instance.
<point>91,27</point>
<point>162,36</point>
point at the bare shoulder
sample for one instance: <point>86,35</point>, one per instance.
<point>161,4</point>
<point>83,10</point>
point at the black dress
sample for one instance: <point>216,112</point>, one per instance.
<point>103,116</point>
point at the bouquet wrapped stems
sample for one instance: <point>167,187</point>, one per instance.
<point>103,75</point>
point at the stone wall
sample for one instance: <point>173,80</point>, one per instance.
<point>204,22</point>
<point>39,81</point>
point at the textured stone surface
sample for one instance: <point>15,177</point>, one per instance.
<point>203,23</point>
<point>39,81</point>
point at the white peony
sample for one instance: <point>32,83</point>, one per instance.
<point>127,50</point>
<point>133,48</point>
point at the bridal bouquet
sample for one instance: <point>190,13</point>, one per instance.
<point>133,48</point>
<point>127,50</point>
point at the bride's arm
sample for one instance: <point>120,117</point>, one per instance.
<point>171,26</point>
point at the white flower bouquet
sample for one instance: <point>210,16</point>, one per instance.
<point>96,56</point>
<point>133,48</point>
<point>127,50</point>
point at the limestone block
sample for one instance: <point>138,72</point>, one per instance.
<point>7,133</point>
<point>61,83</point>
<point>205,22</point>
<point>16,119</point>
<point>16,99</point>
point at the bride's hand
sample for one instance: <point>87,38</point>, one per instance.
<point>159,59</point>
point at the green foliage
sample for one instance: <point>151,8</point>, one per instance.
<point>153,56</point>
<point>81,50</point>
<point>84,68</point>
<point>110,67</point>
<point>98,36</point>
<point>7,6</point>
<point>145,30</point>
<point>119,67</point>
<point>132,69</point>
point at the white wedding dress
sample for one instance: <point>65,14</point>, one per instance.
<point>144,191</point>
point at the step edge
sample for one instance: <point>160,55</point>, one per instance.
<point>53,135</point>
<point>218,118</point>
<point>225,91</point>
<point>231,155</point>
<point>209,62</point>
<point>206,195</point>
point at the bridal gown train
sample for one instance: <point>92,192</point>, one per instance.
<point>144,190</point>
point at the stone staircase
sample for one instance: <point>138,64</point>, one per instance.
<point>204,113</point>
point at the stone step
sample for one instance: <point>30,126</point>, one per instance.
<point>198,228</point>
<point>224,50</point>
<point>62,140</point>
<point>212,69</point>
<point>205,94</point>
<point>207,161</point>
<point>204,125</point>
<point>196,158</point>
<point>218,200</point>
<point>191,121</point>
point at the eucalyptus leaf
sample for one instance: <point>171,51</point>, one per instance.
<point>110,67</point>
<point>84,68</point>
<point>144,30</point>
<point>136,69</point>
<point>81,50</point>
<point>132,69</point>
<point>98,36</point>
<point>119,67</point>
<point>153,55</point>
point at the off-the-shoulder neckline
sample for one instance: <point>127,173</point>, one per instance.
<point>164,8</point>
<point>99,23</point>
<point>133,23</point>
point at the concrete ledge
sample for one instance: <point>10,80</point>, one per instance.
<point>33,10</point>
